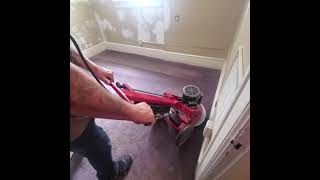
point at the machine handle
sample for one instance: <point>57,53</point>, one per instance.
<point>119,92</point>
<point>123,96</point>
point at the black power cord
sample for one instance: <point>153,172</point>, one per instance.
<point>84,60</point>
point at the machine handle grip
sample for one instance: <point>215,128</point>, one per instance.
<point>119,92</point>
<point>123,96</point>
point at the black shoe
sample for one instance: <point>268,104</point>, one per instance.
<point>124,164</point>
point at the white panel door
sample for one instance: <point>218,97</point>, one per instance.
<point>228,93</point>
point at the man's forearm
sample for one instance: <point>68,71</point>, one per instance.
<point>76,59</point>
<point>88,98</point>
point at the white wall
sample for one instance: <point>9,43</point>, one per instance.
<point>205,28</point>
<point>241,38</point>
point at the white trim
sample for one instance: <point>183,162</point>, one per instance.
<point>242,97</point>
<point>238,93</point>
<point>204,149</point>
<point>233,162</point>
<point>241,153</point>
<point>229,94</point>
<point>94,50</point>
<point>221,81</point>
<point>240,56</point>
<point>242,123</point>
<point>149,42</point>
<point>211,115</point>
<point>219,87</point>
<point>202,61</point>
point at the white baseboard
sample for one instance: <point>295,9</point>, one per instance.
<point>94,50</point>
<point>201,61</point>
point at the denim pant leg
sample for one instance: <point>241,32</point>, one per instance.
<point>95,145</point>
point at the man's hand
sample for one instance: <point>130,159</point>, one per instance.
<point>141,113</point>
<point>104,74</point>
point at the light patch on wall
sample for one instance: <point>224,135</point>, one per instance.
<point>151,22</point>
<point>121,15</point>
<point>143,33</point>
<point>136,13</point>
<point>80,1</point>
<point>158,31</point>
<point>103,25</point>
<point>127,34</point>
<point>72,8</point>
<point>166,16</point>
<point>83,25</point>
<point>82,40</point>
<point>74,29</point>
<point>83,28</point>
<point>148,15</point>
<point>137,3</point>
<point>90,24</point>
<point>106,25</point>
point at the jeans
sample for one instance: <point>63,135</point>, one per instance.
<point>95,145</point>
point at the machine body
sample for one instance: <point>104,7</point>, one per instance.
<point>182,113</point>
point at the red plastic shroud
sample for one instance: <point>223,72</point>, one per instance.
<point>186,114</point>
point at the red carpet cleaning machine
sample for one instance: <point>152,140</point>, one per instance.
<point>182,113</point>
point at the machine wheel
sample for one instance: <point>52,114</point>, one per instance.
<point>184,134</point>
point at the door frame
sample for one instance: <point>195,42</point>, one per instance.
<point>208,131</point>
<point>208,159</point>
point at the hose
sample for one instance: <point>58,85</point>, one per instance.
<point>84,60</point>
